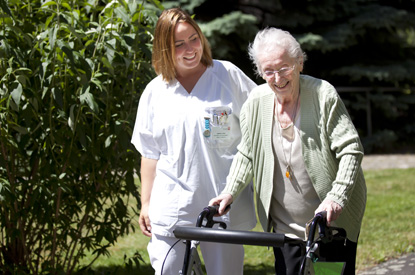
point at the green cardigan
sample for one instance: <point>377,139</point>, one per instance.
<point>331,149</point>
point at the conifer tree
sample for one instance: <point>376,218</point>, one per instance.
<point>357,45</point>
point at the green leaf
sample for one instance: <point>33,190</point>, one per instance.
<point>22,130</point>
<point>71,119</point>
<point>108,141</point>
<point>52,36</point>
<point>50,18</point>
<point>16,94</point>
<point>49,3</point>
<point>97,82</point>
<point>158,4</point>
<point>66,5</point>
<point>123,15</point>
<point>109,6</point>
<point>88,98</point>
<point>57,95</point>
<point>107,64</point>
<point>67,49</point>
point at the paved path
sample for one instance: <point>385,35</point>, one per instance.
<point>377,162</point>
<point>404,265</point>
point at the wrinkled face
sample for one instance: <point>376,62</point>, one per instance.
<point>280,71</point>
<point>188,47</point>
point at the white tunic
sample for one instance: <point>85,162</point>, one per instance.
<point>194,138</point>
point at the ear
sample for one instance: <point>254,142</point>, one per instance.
<point>261,73</point>
<point>301,64</point>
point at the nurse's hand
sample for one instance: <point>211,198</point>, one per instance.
<point>223,200</point>
<point>144,221</point>
<point>332,208</point>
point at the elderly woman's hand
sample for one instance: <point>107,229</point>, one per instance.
<point>223,201</point>
<point>332,208</point>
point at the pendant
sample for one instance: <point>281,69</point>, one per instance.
<point>287,172</point>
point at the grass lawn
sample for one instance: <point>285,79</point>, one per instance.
<point>387,230</point>
<point>388,226</point>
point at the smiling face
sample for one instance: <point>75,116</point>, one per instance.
<point>188,48</point>
<point>275,60</point>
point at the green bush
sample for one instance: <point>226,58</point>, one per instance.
<point>71,73</point>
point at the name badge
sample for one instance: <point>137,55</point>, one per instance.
<point>221,133</point>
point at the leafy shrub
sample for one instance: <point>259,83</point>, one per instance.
<point>71,73</point>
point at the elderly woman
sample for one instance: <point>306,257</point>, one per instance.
<point>303,150</point>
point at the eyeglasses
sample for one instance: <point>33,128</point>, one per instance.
<point>281,72</point>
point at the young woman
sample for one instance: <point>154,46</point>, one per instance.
<point>187,130</point>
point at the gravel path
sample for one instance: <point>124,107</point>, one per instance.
<point>377,162</point>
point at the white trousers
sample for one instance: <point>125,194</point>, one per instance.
<point>220,259</point>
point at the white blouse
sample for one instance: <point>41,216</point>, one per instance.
<point>294,199</point>
<point>194,138</point>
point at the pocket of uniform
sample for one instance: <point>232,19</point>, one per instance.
<point>218,126</point>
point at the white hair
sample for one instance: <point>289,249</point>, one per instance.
<point>271,38</point>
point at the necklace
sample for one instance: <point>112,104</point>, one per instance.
<point>289,136</point>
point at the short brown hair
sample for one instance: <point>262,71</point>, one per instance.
<point>163,45</point>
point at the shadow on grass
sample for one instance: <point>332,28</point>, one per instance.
<point>259,269</point>
<point>144,269</point>
<point>118,270</point>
